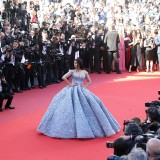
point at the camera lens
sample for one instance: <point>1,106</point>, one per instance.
<point>109,144</point>
<point>147,104</point>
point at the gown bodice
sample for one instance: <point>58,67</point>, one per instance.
<point>78,79</point>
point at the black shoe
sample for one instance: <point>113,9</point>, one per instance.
<point>1,110</point>
<point>33,87</point>
<point>9,107</point>
<point>119,72</point>
<point>107,72</point>
<point>44,86</point>
<point>99,72</point>
<point>41,87</point>
<point>18,91</point>
<point>28,88</point>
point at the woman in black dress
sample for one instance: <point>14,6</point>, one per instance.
<point>134,58</point>
<point>149,52</point>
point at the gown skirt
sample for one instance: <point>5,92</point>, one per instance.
<point>75,112</point>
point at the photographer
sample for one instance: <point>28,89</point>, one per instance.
<point>56,60</point>
<point>121,147</point>
<point>8,68</point>
<point>8,37</point>
<point>29,54</point>
<point>18,67</point>
<point>74,46</point>
<point>29,67</point>
<point>4,93</point>
<point>152,114</point>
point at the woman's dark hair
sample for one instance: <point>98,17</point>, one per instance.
<point>156,31</point>
<point>16,41</point>
<point>80,62</point>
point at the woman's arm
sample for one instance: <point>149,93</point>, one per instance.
<point>88,80</point>
<point>66,76</point>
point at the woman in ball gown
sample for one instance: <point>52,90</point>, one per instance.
<point>75,112</point>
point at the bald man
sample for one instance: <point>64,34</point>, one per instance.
<point>153,149</point>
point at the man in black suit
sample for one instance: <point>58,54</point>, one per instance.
<point>98,46</point>
<point>111,40</point>
<point>4,93</point>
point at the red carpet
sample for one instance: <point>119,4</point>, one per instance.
<point>124,95</point>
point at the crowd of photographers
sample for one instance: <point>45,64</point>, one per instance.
<point>29,55</point>
<point>141,139</point>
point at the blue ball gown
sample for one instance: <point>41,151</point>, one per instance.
<point>75,112</point>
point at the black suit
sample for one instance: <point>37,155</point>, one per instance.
<point>111,40</point>
<point>97,58</point>
<point>91,52</point>
<point>4,94</point>
<point>8,39</point>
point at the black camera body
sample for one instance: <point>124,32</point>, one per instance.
<point>141,140</point>
<point>110,144</point>
<point>153,104</point>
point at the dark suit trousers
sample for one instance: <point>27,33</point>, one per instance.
<point>112,55</point>
<point>7,96</point>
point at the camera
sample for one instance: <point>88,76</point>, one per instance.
<point>159,94</point>
<point>36,7</point>
<point>152,104</point>
<point>110,144</point>
<point>141,140</point>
